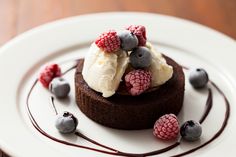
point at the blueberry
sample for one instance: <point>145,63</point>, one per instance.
<point>140,57</point>
<point>60,87</point>
<point>128,40</point>
<point>66,123</point>
<point>198,78</point>
<point>191,130</point>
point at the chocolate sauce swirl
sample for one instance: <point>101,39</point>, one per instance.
<point>208,106</point>
<point>112,151</point>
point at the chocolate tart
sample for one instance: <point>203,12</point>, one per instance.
<point>131,112</point>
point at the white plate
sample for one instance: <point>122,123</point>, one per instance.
<point>188,43</point>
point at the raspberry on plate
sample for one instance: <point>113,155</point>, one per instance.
<point>140,32</point>
<point>108,41</point>
<point>137,81</point>
<point>166,127</point>
<point>48,73</point>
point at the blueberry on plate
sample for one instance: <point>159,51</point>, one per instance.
<point>66,123</point>
<point>140,58</point>
<point>191,130</point>
<point>198,78</point>
<point>59,87</point>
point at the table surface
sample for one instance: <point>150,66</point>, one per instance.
<point>17,16</point>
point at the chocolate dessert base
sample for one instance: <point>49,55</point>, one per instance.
<point>131,112</point>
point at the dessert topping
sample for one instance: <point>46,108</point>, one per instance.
<point>198,78</point>
<point>66,123</point>
<point>166,127</point>
<point>59,87</point>
<point>140,32</point>
<point>140,57</point>
<point>128,40</point>
<point>108,41</point>
<point>191,130</point>
<point>137,81</point>
<point>161,71</point>
<point>103,71</point>
<point>48,73</point>
<point>111,53</point>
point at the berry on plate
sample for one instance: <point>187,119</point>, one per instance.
<point>191,130</point>
<point>140,58</point>
<point>166,127</point>
<point>198,78</point>
<point>108,41</point>
<point>140,32</point>
<point>137,81</point>
<point>128,40</point>
<point>59,87</point>
<point>66,123</point>
<point>48,73</point>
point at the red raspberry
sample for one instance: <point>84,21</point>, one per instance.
<point>137,81</point>
<point>140,32</point>
<point>166,127</point>
<point>108,41</point>
<point>48,73</point>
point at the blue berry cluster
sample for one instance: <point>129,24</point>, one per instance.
<point>140,56</point>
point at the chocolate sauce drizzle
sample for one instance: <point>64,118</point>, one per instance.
<point>208,106</point>
<point>112,151</point>
<point>54,107</point>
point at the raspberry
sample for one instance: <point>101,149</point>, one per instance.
<point>48,73</point>
<point>166,127</point>
<point>108,41</point>
<point>140,32</point>
<point>137,81</point>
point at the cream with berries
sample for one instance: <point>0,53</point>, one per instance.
<point>106,62</point>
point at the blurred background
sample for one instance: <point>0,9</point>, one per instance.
<point>18,16</point>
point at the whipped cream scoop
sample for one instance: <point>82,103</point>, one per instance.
<point>160,70</point>
<point>103,71</point>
